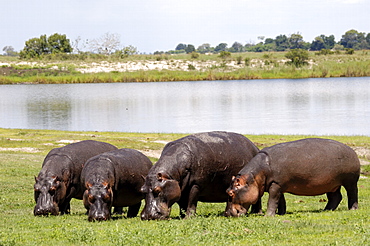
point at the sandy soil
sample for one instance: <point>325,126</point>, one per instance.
<point>130,66</point>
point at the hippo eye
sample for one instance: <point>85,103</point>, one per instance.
<point>36,188</point>
<point>91,198</point>
<point>157,190</point>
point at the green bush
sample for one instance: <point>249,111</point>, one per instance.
<point>298,57</point>
<point>239,60</point>
<point>194,55</point>
<point>247,61</point>
<point>224,54</point>
<point>350,51</point>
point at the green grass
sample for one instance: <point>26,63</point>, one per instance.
<point>304,224</point>
<point>264,65</point>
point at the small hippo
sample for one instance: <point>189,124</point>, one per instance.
<point>114,179</point>
<point>195,168</point>
<point>307,167</point>
<point>59,179</point>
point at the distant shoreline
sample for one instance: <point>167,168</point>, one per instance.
<point>154,68</point>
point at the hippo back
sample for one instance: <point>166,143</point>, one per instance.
<point>208,160</point>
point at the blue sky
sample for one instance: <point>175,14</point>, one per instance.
<point>152,25</point>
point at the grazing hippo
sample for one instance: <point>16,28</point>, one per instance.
<point>114,179</point>
<point>195,168</point>
<point>59,179</point>
<point>307,167</point>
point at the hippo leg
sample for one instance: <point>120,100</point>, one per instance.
<point>183,203</point>
<point>118,210</point>
<point>273,201</point>
<point>133,210</point>
<point>352,193</point>
<point>193,200</point>
<point>282,205</point>
<point>334,199</point>
<point>257,208</point>
<point>65,207</point>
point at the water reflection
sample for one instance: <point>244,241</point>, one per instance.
<point>307,106</point>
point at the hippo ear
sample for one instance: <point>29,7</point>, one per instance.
<point>161,177</point>
<point>106,185</point>
<point>88,185</point>
<point>36,179</point>
<point>143,177</point>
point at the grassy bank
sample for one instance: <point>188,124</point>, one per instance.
<point>239,66</point>
<point>21,155</point>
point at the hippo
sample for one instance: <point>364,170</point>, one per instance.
<point>114,179</point>
<point>195,168</point>
<point>59,179</point>
<point>306,167</point>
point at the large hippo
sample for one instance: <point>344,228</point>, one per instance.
<point>306,167</point>
<point>114,179</point>
<point>59,179</point>
<point>195,168</point>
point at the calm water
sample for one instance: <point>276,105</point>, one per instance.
<point>339,106</point>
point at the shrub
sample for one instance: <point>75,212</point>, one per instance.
<point>239,60</point>
<point>350,51</point>
<point>298,57</point>
<point>194,55</point>
<point>247,61</point>
<point>191,67</point>
<point>224,54</point>
<point>324,52</point>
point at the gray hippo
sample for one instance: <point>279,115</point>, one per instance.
<point>306,167</point>
<point>114,179</point>
<point>195,168</point>
<point>59,179</point>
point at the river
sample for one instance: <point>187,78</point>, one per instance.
<point>328,106</point>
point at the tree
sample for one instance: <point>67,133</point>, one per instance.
<point>318,44</point>
<point>36,47</point>
<point>221,47</point>
<point>9,51</point>
<point>204,48</point>
<point>236,47</point>
<point>352,39</point>
<point>367,38</point>
<point>180,47</point>
<point>189,48</point>
<point>106,44</point>
<point>295,41</point>
<point>298,57</point>
<point>58,43</point>
<point>281,42</point>
<point>126,51</point>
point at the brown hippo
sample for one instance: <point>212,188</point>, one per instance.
<point>195,168</point>
<point>59,179</point>
<point>306,167</point>
<point>114,179</point>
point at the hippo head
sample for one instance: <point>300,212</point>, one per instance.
<point>49,193</point>
<point>161,193</point>
<point>98,200</point>
<point>243,191</point>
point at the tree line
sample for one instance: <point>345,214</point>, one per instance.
<point>109,44</point>
<point>352,39</point>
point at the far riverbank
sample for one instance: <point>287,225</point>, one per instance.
<point>156,68</point>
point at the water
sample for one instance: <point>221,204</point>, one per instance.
<point>335,106</point>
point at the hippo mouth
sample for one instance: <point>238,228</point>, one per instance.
<point>46,211</point>
<point>156,213</point>
<point>236,210</point>
<point>98,218</point>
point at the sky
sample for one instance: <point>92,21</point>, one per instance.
<point>160,25</point>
